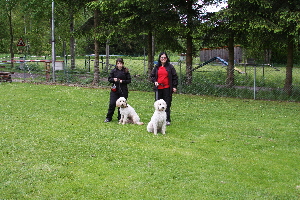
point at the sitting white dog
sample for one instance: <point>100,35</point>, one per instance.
<point>158,119</point>
<point>128,114</point>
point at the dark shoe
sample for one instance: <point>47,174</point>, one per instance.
<point>168,123</point>
<point>107,120</point>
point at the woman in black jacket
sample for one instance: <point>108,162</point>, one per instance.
<point>120,77</point>
<point>165,79</point>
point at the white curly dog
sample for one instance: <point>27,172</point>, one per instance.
<point>158,119</point>
<point>128,114</point>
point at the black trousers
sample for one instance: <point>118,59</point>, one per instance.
<point>167,96</point>
<point>112,103</point>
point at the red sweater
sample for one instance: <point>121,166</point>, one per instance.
<point>162,78</point>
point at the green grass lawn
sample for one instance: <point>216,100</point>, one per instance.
<point>54,145</point>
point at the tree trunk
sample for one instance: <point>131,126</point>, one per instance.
<point>150,52</point>
<point>96,64</point>
<point>97,46</point>
<point>12,54</point>
<point>230,67</point>
<point>107,55</point>
<point>189,46</point>
<point>189,60</point>
<point>72,40</point>
<point>289,67</point>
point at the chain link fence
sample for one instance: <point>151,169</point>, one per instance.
<point>256,81</point>
<point>251,81</point>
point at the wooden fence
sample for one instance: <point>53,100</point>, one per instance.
<point>222,52</point>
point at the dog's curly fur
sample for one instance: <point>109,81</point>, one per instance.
<point>128,114</point>
<point>158,119</point>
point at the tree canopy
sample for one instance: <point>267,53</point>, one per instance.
<point>129,26</point>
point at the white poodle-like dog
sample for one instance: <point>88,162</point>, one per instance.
<point>158,119</point>
<point>128,114</point>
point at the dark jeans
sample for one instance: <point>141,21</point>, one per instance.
<point>165,95</point>
<point>112,104</point>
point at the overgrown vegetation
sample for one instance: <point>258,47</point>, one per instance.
<point>54,145</point>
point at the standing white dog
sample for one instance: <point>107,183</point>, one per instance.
<point>128,114</point>
<point>158,119</point>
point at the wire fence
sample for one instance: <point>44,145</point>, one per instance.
<point>258,81</point>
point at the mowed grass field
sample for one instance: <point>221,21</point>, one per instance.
<point>54,145</point>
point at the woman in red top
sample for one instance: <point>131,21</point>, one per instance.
<point>165,79</point>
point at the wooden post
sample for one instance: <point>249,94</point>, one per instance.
<point>47,68</point>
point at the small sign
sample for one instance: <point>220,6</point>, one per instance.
<point>59,65</point>
<point>21,42</point>
<point>182,57</point>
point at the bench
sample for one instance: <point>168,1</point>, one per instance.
<point>5,77</point>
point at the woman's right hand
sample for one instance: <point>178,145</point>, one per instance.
<point>156,84</point>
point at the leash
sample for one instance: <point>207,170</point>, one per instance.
<point>120,88</point>
<point>156,91</point>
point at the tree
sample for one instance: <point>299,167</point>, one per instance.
<point>151,18</point>
<point>37,23</point>
<point>9,7</point>
<point>191,14</point>
<point>231,35</point>
<point>97,45</point>
<point>73,7</point>
<point>287,17</point>
<point>277,19</point>
<point>189,40</point>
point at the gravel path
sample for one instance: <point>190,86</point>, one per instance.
<point>17,75</point>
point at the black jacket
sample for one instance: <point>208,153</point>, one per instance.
<point>172,75</point>
<point>123,75</point>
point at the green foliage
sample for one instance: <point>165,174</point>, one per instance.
<point>54,145</point>
<point>258,25</point>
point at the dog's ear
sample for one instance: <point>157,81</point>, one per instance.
<point>156,105</point>
<point>118,103</point>
<point>125,102</point>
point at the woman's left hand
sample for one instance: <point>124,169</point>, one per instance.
<point>174,90</point>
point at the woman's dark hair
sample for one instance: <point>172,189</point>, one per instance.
<point>162,53</point>
<point>119,60</point>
